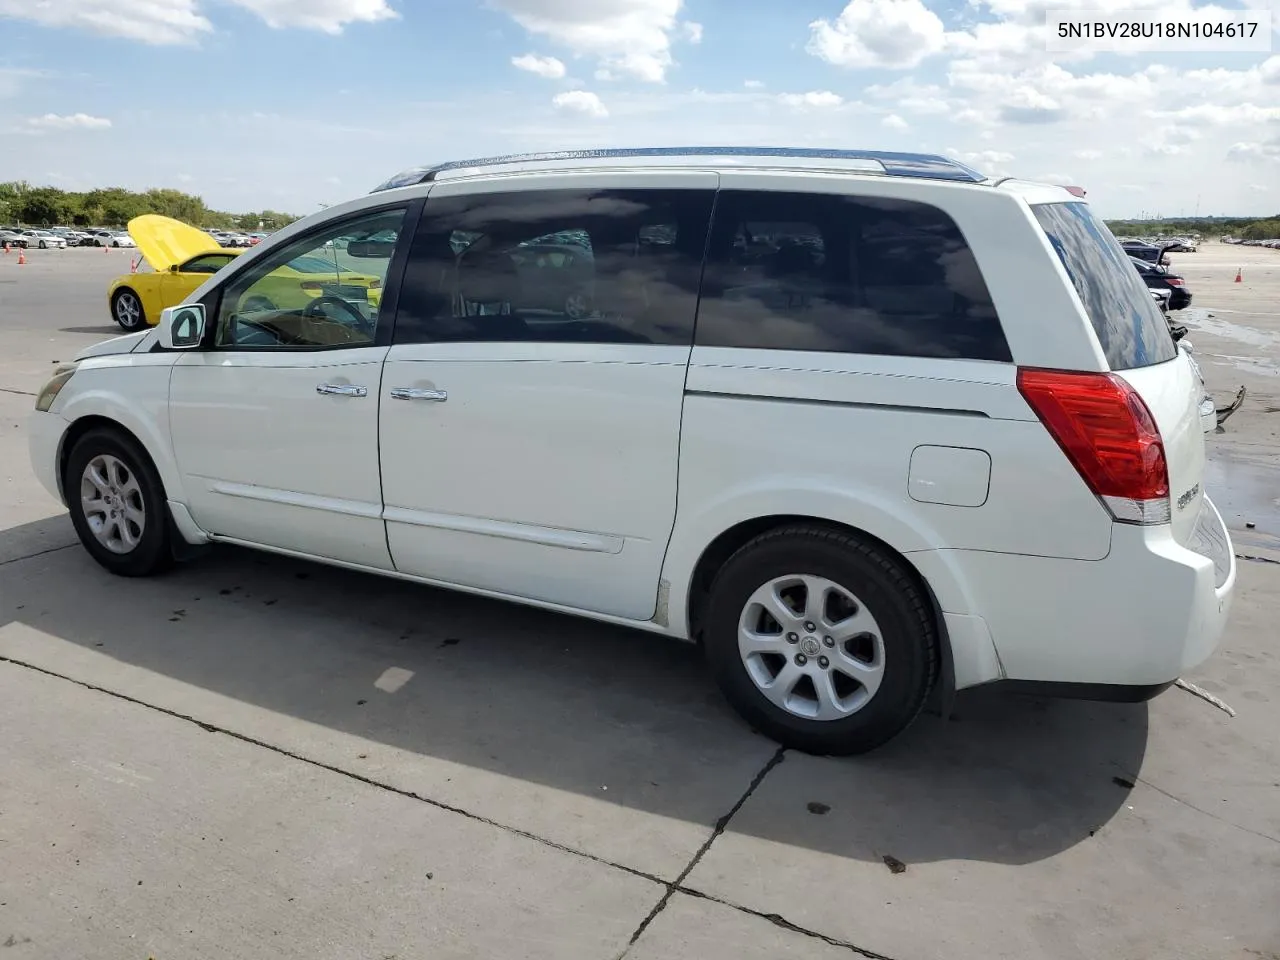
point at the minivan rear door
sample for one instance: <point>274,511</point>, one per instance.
<point>1135,339</point>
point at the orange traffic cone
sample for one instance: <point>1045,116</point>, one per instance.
<point>6,248</point>
<point>105,248</point>
<point>133,266</point>
<point>1238,280</point>
<point>22,258</point>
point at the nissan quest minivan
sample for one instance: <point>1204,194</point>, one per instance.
<point>866,426</point>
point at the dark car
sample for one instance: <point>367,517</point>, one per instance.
<point>12,238</point>
<point>1158,278</point>
<point>1150,252</point>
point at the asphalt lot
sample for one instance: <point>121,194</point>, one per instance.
<point>255,756</point>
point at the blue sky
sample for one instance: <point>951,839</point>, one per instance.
<point>293,103</point>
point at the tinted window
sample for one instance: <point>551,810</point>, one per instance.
<point>209,263</point>
<point>568,266</point>
<point>1131,329</point>
<point>335,302</point>
<point>854,275</point>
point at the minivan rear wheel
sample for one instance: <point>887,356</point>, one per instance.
<point>821,640</point>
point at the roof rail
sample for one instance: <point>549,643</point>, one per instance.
<point>921,165</point>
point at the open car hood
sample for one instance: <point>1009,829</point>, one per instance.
<point>165,242</point>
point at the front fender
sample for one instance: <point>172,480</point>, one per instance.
<point>142,409</point>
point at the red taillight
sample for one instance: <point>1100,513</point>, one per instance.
<point>1108,434</point>
<point>1076,191</point>
<point>1174,281</point>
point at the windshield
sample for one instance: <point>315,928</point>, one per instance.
<point>1129,325</point>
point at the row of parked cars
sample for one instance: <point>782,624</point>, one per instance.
<point>1273,244</point>
<point>63,237</point>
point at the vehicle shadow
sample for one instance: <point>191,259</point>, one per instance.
<point>108,329</point>
<point>619,717</point>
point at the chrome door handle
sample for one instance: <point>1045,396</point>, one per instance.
<point>342,390</point>
<point>414,393</point>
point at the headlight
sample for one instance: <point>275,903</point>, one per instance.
<point>49,392</point>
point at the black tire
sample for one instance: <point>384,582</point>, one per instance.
<point>139,322</point>
<point>43,246</point>
<point>889,593</point>
<point>153,552</point>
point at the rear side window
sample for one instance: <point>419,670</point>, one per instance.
<point>556,266</point>
<point>1130,327</point>
<point>797,271</point>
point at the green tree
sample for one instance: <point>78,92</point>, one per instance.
<point>44,206</point>
<point>1262,230</point>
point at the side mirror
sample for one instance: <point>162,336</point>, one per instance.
<point>182,328</point>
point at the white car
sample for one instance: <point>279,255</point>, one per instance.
<point>121,238</point>
<point>44,240</point>
<point>868,427</point>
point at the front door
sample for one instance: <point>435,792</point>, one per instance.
<point>531,413</point>
<point>275,422</point>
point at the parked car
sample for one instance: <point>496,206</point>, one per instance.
<point>932,432</point>
<point>100,237</point>
<point>121,238</point>
<point>1149,252</point>
<point>1159,278</point>
<point>44,240</point>
<point>13,238</point>
<point>182,258</point>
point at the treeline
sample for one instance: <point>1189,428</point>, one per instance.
<point>1246,228</point>
<point>115,206</point>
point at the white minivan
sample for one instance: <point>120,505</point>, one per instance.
<point>866,426</point>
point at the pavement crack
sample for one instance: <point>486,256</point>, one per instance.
<point>678,884</point>
<point>21,393</point>
<point>320,764</point>
<point>38,553</point>
<point>1208,813</point>
<point>1255,558</point>
<point>780,921</point>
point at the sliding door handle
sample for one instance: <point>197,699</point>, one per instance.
<point>414,393</point>
<point>342,390</point>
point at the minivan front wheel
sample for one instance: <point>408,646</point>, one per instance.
<point>821,640</point>
<point>117,504</point>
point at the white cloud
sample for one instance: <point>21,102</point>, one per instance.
<point>151,21</point>
<point>548,67</point>
<point>1087,154</point>
<point>1061,179</point>
<point>180,21</point>
<point>1214,114</point>
<point>895,122</point>
<point>814,98</point>
<point>753,84</point>
<point>878,33</point>
<point>580,101</point>
<point>627,37</point>
<point>74,121</point>
<point>1252,151</point>
<point>692,31</point>
<point>327,16</point>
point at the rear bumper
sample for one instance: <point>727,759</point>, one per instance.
<point>1139,618</point>
<point>44,440</point>
<point>1179,298</point>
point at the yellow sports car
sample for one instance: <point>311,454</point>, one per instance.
<point>182,257</point>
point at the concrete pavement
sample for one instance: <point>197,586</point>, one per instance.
<point>300,761</point>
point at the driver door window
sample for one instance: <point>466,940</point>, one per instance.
<point>322,291</point>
